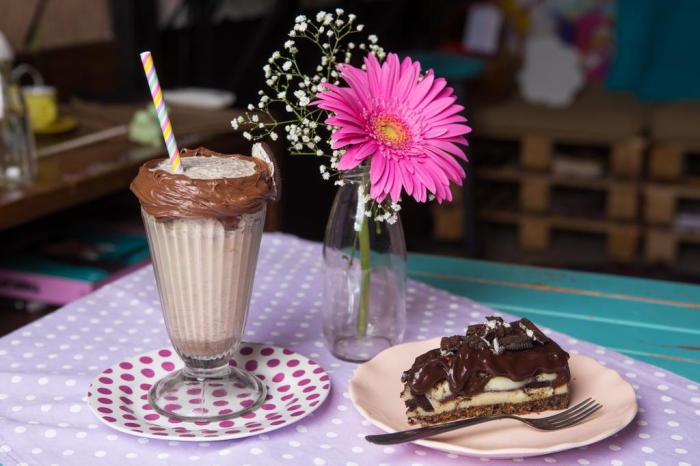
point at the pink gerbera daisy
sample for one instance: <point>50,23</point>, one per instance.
<point>407,126</point>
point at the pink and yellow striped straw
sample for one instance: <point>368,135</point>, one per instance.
<point>165,126</point>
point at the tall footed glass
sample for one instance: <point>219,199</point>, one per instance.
<point>205,276</point>
<point>204,267</point>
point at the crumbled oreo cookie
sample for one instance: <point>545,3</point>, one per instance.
<point>450,345</point>
<point>517,342</point>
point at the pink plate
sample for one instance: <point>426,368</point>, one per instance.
<point>375,388</point>
<point>296,387</point>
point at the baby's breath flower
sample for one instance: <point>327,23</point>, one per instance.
<point>247,135</point>
<point>234,123</point>
<point>289,44</point>
<point>286,66</point>
<point>372,38</point>
<point>360,27</point>
<point>273,136</point>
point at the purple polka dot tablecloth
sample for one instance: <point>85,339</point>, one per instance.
<point>46,367</point>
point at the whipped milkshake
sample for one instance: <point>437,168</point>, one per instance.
<point>204,229</point>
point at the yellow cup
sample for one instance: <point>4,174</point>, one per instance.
<point>42,105</point>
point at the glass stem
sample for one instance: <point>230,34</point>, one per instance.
<point>366,275</point>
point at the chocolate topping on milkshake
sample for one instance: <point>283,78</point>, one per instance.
<point>166,195</point>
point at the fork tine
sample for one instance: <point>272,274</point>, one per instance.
<point>568,412</point>
<point>578,418</point>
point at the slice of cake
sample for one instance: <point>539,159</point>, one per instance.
<point>496,368</point>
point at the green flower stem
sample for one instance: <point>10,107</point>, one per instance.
<point>366,275</point>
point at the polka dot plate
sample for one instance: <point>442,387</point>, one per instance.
<point>376,384</point>
<point>296,386</point>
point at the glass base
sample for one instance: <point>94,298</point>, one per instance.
<point>359,349</point>
<point>207,394</point>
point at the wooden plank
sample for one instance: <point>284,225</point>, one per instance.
<point>655,321</point>
<point>627,157</point>
<point>448,217</point>
<point>622,202</point>
<point>666,161</point>
<point>660,204</point>
<point>534,194</point>
<point>660,245</point>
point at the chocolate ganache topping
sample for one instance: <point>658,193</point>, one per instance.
<point>516,350</point>
<point>167,195</point>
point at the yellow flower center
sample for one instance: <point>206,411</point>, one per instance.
<point>391,131</point>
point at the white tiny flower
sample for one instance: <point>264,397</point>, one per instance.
<point>339,182</point>
<point>322,168</point>
<point>327,19</point>
<point>326,176</point>
<point>261,125</point>
<point>319,152</point>
<point>301,27</point>
<point>251,107</point>
<point>288,108</point>
<point>329,33</point>
<point>254,118</point>
<point>234,123</point>
<point>300,19</point>
<point>298,146</point>
<point>362,46</point>
<point>289,44</point>
<point>286,66</point>
<point>351,45</point>
<point>373,38</point>
<point>273,136</point>
<point>281,95</point>
<point>288,76</point>
<point>339,11</point>
<point>264,99</point>
<point>261,105</point>
<point>247,135</point>
<point>292,33</point>
<point>339,22</point>
<point>321,30</point>
<point>275,55</point>
<point>360,27</point>
<point>320,15</point>
<point>352,17</point>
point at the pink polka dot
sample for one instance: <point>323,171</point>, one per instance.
<point>172,407</point>
<point>219,392</point>
<point>232,363</point>
<point>283,388</point>
<point>267,351</point>
<point>145,386</point>
<point>293,408</point>
<point>251,365</point>
<point>195,401</point>
<point>147,407</point>
<point>126,389</point>
<point>287,351</point>
<point>126,365</point>
<point>292,363</point>
<point>273,416</point>
<point>220,403</point>
<point>233,431</point>
<point>132,424</point>
<point>226,424</point>
<point>278,377</point>
<point>313,396</point>
<point>243,395</point>
<point>318,370</point>
<point>287,396</point>
<point>129,417</point>
<point>105,401</point>
<point>168,366</point>
<point>105,380</point>
<point>165,353</point>
<point>304,382</point>
<point>249,415</point>
<point>268,406</point>
<point>225,411</point>
<point>146,359</point>
<point>151,417</point>
<point>127,377</point>
<point>194,391</point>
<point>247,403</point>
<point>273,363</point>
<point>298,373</point>
<point>148,373</point>
<point>310,388</point>
<point>323,378</point>
<point>246,350</point>
<point>104,409</point>
<point>156,428</point>
<point>298,413</point>
<point>277,423</point>
<point>125,400</point>
<point>109,419</point>
<point>104,391</point>
<point>252,424</point>
<point>107,371</point>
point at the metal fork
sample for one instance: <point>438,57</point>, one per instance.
<point>568,418</point>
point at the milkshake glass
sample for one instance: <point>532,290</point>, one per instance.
<point>204,228</point>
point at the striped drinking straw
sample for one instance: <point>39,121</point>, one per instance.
<point>165,126</point>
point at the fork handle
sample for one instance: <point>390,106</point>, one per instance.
<point>423,432</point>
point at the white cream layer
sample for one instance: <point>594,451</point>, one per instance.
<point>483,399</point>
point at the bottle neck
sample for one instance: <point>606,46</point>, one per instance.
<point>356,175</point>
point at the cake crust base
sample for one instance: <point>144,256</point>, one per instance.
<point>560,401</point>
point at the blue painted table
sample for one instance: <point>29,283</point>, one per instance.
<point>655,321</point>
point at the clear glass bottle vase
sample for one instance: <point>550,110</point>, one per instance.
<point>364,299</point>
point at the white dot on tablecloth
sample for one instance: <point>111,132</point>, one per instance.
<point>550,460</point>
<point>357,449</point>
<point>681,451</point>
<point>677,437</point>
<point>616,463</point>
<point>81,435</point>
<point>319,461</point>
<point>5,449</point>
<point>672,424</point>
<point>37,451</point>
<point>388,450</point>
<point>614,447</point>
<point>650,463</point>
<point>130,455</point>
<point>75,408</point>
<point>45,408</point>
<point>20,429</point>
<point>662,387</point>
<point>351,463</point>
<point>100,453</point>
<point>70,382</point>
<point>644,435</point>
<point>294,444</point>
<point>67,452</point>
<point>666,399</point>
<point>646,449</point>
<point>255,451</point>
<point>683,463</point>
<point>15,379</point>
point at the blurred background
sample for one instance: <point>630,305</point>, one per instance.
<point>585,152</point>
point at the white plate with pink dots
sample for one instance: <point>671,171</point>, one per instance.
<point>296,387</point>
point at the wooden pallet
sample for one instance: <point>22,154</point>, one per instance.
<point>674,132</point>
<point>663,244</point>
<point>534,231</point>
<point>596,119</point>
<point>448,217</point>
<point>667,161</point>
<point>622,196</point>
<point>661,201</point>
